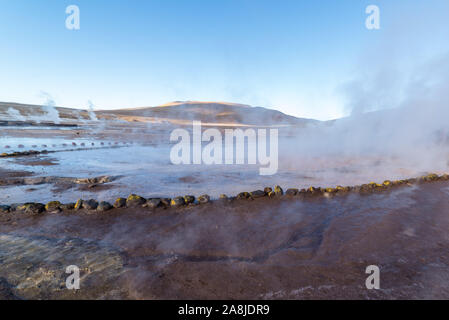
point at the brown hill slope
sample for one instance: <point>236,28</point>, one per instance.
<point>212,112</point>
<point>175,112</point>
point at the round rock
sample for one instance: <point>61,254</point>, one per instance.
<point>178,201</point>
<point>153,203</point>
<point>120,203</point>
<point>104,206</point>
<point>135,201</point>
<point>257,194</point>
<point>204,198</point>
<point>90,204</point>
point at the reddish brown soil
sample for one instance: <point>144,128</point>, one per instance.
<point>262,249</point>
<point>6,174</point>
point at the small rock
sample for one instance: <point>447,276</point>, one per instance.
<point>223,197</point>
<point>267,190</point>
<point>313,190</point>
<point>79,204</point>
<point>365,188</point>
<point>32,208</point>
<point>120,203</point>
<point>90,204</point>
<point>431,177</point>
<point>135,201</point>
<point>68,206</point>
<point>243,195</point>
<point>204,198</point>
<point>53,206</point>
<point>14,207</point>
<point>271,194</point>
<point>178,201</point>
<point>278,190</point>
<point>153,203</point>
<point>257,194</point>
<point>292,192</point>
<point>4,208</point>
<point>189,199</point>
<point>104,206</point>
<point>166,202</point>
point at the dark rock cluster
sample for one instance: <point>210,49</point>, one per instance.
<point>134,201</point>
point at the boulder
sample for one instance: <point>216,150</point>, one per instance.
<point>204,198</point>
<point>366,188</point>
<point>342,189</point>
<point>104,206</point>
<point>267,190</point>
<point>223,197</point>
<point>292,192</point>
<point>314,190</point>
<point>79,204</point>
<point>189,199</point>
<point>430,177</point>
<point>166,202</point>
<point>4,208</point>
<point>68,206</point>
<point>278,191</point>
<point>135,201</point>
<point>177,201</point>
<point>153,203</point>
<point>90,204</point>
<point>32,207</point>
<point>53,206</point>
<point>243,195</point>
<point>257,194</point>
<point>120,203</point>
<point>14,207</point>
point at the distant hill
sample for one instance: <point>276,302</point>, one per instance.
<point>10,111</point>
<point>212,112</point>
<point>175,112</point>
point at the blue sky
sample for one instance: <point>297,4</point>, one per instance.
<point>295,56</point>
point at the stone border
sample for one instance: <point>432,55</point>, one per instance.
<point>134,201</point>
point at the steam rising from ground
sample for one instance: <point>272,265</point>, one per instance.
<point>400,119</point>
<point>51,114</point>
<point>15,114</point>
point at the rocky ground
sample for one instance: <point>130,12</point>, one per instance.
<point>283,247</point>
<point>267,244</point>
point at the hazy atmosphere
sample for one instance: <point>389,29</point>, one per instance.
<point>299,57</point>
<point>224,150</point>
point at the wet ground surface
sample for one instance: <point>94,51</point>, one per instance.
<point>138,156</point>
<point>281,248</point>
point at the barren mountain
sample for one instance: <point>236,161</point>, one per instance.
<point>175,112</point>
<point>210,112</point>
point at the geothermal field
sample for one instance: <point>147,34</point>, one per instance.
<point>99,190</point>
